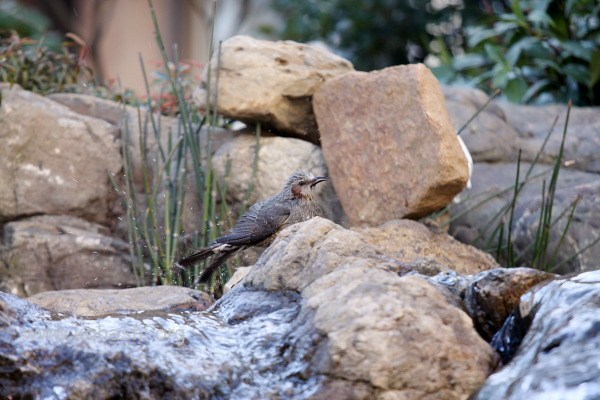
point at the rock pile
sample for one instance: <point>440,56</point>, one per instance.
<point>57,203</point>
<point>389,309</point>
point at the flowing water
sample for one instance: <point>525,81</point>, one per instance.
<point>251,345</point>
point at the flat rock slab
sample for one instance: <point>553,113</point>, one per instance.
<point>97,302</point>
<point>270,82</point>
<point>53,160</point>
<point>389,144</point>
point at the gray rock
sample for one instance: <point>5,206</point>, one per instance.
<point>557,328</point>
<point>61,252</point>
<point>502,128</point>
<point>474,219</point>
<point>270,82</point>
<point>389,144</point>
<point>278,158</point>
<point>98,302</point>
<point>54,161</point>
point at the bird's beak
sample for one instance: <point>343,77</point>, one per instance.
<point>318,179</point>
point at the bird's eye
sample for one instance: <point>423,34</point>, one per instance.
<point>302,183</point>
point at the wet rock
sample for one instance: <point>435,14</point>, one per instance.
<point>98,302</point>
<point>316,317</point>
<point>389,144</point>
<point>415,243</point>
<point>558,355</point>
<point>239,274</point>
<point>44,253</point>
<point>270,82</point>
<point>53,160</point>
<point>236,353</point>
<point>502,128</point>
<point>278,157</point>
<point>476,220</point>
<point>489,297</point>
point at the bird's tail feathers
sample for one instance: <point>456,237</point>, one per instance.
<point>216,263</point>
<point>192,259</point>
<point>220,253</point>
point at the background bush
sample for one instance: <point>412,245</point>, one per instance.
<point>535,51</point>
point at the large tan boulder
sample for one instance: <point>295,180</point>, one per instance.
<point>53,160</point>
<point>385,334</point>
<point>389,143</point>
<point>60,252</point>
<point>270,82</point>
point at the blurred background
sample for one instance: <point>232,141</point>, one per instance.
<point>534,51</point>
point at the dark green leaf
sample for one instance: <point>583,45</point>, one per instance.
<point>576,49</point>
<point>539,17</point>
<point>469,61</point>
<point>578,72</point>
<point>539,50</point>
<point>444,73</point>
<point>595,68</point>
<point>515,89</point>
<point>515,6</point>
<point>513,54</point>
<point>495,54</point>
<point>534,89</point>
<point>501,28</point>
<point>477,35</point>
<point>549,64</point>
<point>500,78</point>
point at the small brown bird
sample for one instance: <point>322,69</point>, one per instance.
<point>260,224</point>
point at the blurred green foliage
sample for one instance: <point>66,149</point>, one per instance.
<point>535,51</point>
<point>35,67</point>
<point>28,22</point>
<point>373,34</point>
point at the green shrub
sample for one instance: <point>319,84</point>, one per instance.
<point>373,34</point>
<point>535,51</point>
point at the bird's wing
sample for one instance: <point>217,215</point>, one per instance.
<point>261,221</point>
